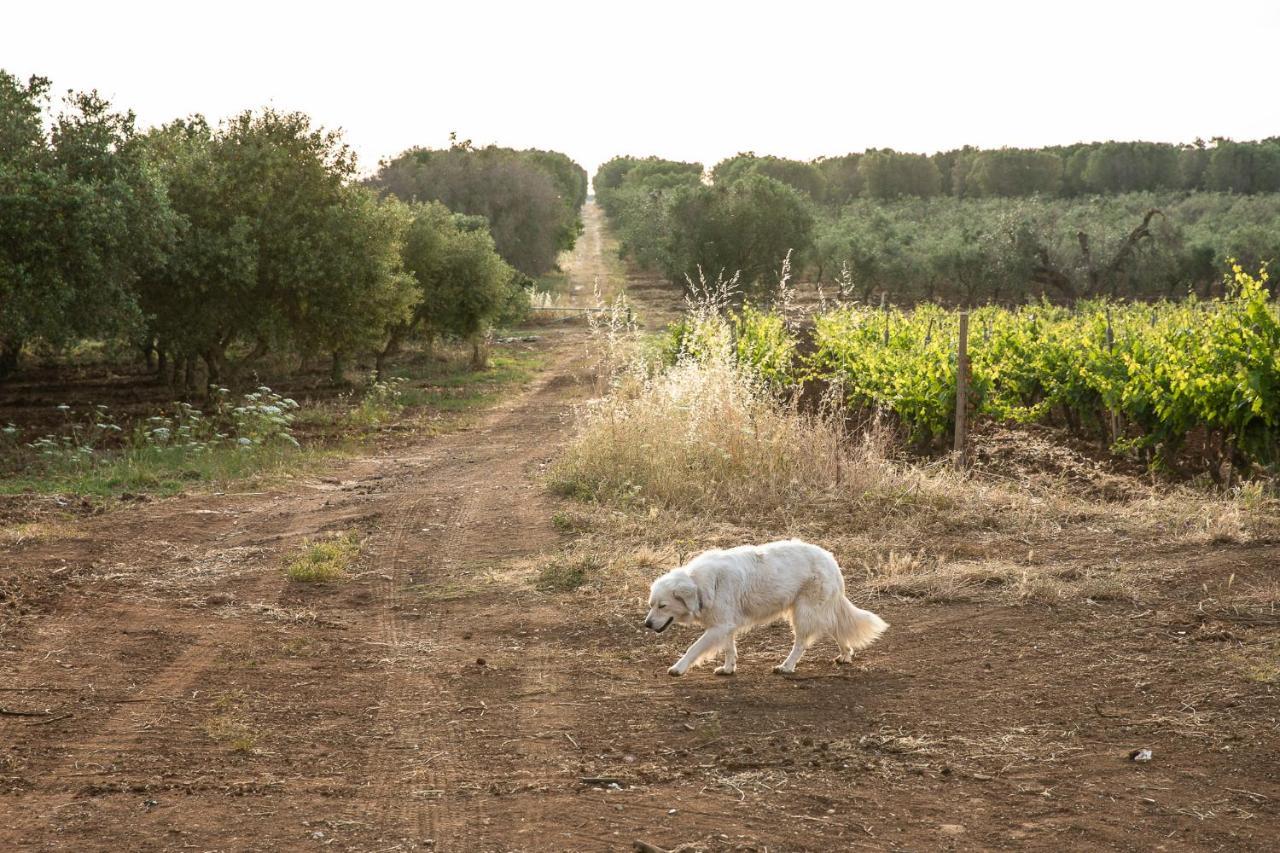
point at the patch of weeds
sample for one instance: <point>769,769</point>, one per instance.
<point>570,522</point>
<point>232,732</point>
<point>328,560</point>
<point>300,647</point>
<point>229,728</point>
<point>1260,663</point>
<point>708,731</point>
<point>93,454</point>
<point>567,575</point>
<point>383,401</point>
<point>32,531</point>
<point>455,386</point>
<point>247,658</point>
<point>450,590</point>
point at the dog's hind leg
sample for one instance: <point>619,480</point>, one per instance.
<point>846,651</point>
<point>703,647</point>
<point>808,623</point>
<point>730,658</point>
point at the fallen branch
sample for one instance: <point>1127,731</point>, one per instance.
<point>6,712</point>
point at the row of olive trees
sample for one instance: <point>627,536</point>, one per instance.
<point>531,199</point>
<point>1063,171</point>
<point>217,244</point>
<point>961,250</point>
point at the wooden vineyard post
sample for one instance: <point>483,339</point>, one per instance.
<point>886,320</point>
<point>962,390</point>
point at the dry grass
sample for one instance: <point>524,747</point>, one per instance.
<point>707,435</point>
<point>228,727</point>
<point>1259,662</point>
<point>232,732</point>
<point>930,578</point>
<point>325,561</point>
<point>31,532</point>
<point>567,575</point>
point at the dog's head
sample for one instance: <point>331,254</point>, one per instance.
<point>672,598</point>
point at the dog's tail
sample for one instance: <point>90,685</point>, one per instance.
<point>857,628</point>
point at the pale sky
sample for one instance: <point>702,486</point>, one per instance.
<point>688,80</point>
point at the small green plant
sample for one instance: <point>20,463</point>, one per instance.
<point>383,401</point>
<point>568,575</point>
<point>328,560</point>
<point>263,418</point>
<point>568,522</point>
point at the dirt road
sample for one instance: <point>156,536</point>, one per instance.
<point>183,695</point>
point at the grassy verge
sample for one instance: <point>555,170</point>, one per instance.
<point>161,471</point>
<point>459,389</point>
<point>427,395</point>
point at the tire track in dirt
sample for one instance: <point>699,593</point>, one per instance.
<point>399,786</point>
<point>119,722</point>
<point>429,771</point>
<point>423,712</point>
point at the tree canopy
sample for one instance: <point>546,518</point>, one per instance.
<point>81,213</point>
<point>530,199</point>
<point>275,249</point>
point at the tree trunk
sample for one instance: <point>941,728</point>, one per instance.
<point>9,352</point>
<point>394,338</point>
<point>1046,275</point>
<point>337,372</point>
<point>479,352</point>
<point>215,362</point>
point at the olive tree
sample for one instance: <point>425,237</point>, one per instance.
<point>747,227</point>
<point>275,249</point>
<point>81,212</point>
<point>461,284</point>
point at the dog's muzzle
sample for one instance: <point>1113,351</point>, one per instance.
<point>656,629</point>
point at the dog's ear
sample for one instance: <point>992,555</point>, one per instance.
<point>690,598</point>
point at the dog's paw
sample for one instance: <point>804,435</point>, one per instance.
<point>841,661</point>
<point>675,672</point>
<point>720,670</point>
<point>782,670</point>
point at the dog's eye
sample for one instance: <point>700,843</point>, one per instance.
<point>662,607</point>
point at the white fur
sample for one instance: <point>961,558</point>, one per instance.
<point>731,591</point>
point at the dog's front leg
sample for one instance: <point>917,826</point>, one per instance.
<point>730,658</point>
<point>703,647</point>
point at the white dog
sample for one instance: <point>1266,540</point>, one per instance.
<point>729,592</point>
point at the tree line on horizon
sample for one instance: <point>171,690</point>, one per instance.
<point>1068,171</point>
<point>211,245</point>
<point>1118,219</point>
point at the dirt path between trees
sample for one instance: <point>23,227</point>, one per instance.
<point>183,695</point>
